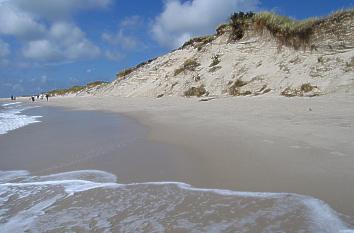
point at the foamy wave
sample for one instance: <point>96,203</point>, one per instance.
<point>9,176</point>
<point>11,119</point>
<point>9,104</point>
<point>92,201</point>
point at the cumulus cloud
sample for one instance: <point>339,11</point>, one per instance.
<point>4,49</point>
<point>121,39</point>
<point>125,37</point>
<point>58,9</point>
<point>64,41</point>
<point>17,23</point>
<point>113,55</point>
<point>43,28</point>
<point>180,21</point>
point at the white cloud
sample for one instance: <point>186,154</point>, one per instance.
<point>42,27</point>
<point>58,9</point>
<point>180,21</point>
<point>121,39</point>
<point>43,79</point>
<point>42,50</point>
<point>18,23</point>
<point>4,49</point>
<point>132,22</point>
<point>64,41</point>
<point>113,55</point>
<point>126,35</point>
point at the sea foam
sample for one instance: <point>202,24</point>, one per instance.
<point>11,117</point>
<point>92,201</point>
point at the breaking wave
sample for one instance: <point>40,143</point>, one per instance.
<point>11,117</point>
<point>93,201</point>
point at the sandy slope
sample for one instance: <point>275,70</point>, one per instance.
<point>272,144</point>
<point>264,66</point>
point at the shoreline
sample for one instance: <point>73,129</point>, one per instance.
<point>297,145</point>
<point>248,144</point>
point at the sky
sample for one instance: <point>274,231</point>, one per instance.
<point>50,44</point>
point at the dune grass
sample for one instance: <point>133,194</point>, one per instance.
<point>195,91</point>
<point>189,64</point>
<point>125,72</point>
<point>75,89</point>
<point>288,31</point>
<point>198,42</point>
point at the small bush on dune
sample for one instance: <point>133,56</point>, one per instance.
<point>288,31</point>
<point>351,63</point>
<point>234,89</point>
<point>125,72</point>
<point>239,22</point>
<point>290,92</point>
<point>222,29</point>
<point>70,90</point>
<point>189,64</point>
<point>76,89</point>
<point>215,60</point>
<point>195,91</point>
<point>198,42</point>
<point>96,83</point>
<point>306,87</point>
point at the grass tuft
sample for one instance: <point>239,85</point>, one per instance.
<point>195,91</point>
<point>289,32</point>
<point>198,42</point>
<point>234,89</point>
<point>302,91</point>
<point>351,63</point>
<point>76,89</point>
<point>189,64</point>
<point>307,87</point>
<point>215,60</point>
<point>125,72</point>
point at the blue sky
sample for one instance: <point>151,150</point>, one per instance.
<point>48,44</point>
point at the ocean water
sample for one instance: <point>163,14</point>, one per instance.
<point>93,201</point>
<point>11,116</point>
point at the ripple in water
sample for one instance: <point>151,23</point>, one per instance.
<point>92,201</point>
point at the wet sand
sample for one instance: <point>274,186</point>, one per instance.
<point>82,140</point>
<point>275,144</point>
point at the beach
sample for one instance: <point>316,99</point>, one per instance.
<point>107,153</point>
<point>271,144</point>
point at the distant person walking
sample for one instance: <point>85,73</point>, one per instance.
<point>32,98</point>
<point>47,96</point>
<point>12,97</point>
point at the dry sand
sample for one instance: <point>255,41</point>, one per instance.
<point>263,144</point>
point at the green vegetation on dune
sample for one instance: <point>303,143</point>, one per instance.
<point>188,65</point>
<point>195,91</point>
<point>289,32</point>
<point>76,89</point>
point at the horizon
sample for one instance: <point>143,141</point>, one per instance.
<point>46,45</point>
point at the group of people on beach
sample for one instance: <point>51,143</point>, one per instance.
<point>33,98</point>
